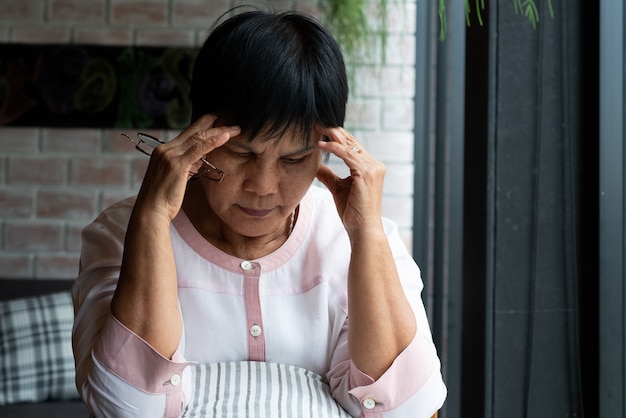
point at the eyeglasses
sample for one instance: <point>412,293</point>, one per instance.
<point>146,143</point>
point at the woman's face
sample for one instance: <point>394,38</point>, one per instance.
<point>264,182</point>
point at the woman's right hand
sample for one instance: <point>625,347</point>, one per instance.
<point>146,297</point>
<point>172,163</point>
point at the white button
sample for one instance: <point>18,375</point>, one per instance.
<point>369,403</point>
<point>246,265</point>
<point>175,380</point>
<point>255,330</point>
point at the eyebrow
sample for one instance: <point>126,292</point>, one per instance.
<point>247,147</point>
<point>302,151</point>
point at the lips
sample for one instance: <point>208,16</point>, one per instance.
<point>258,213</point>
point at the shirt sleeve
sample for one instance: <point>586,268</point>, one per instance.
<point>413,385</point>
<point>117,373</point>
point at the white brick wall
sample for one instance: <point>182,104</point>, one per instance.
<point>54,181</point>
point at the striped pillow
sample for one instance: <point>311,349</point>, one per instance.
<point>260,390</point>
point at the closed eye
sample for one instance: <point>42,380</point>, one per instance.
<point>242,154</point>
<point>294,160</point>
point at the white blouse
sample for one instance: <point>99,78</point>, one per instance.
<point>289,307</point>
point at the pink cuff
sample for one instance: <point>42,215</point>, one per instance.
<point>407,374</point>
<point>132,359</point>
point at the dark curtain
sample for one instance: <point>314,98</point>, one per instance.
<point>530,259</point>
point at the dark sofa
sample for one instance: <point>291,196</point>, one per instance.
<point>11,289</point>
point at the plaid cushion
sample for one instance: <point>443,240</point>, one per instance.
<point>260,390</point>
<point>36,361</point>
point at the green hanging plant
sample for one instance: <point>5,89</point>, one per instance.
<point>349,22</point>
<point>526,7</point>
<point>529,9</point>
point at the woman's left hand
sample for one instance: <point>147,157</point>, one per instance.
<point>382,323</point>
<point>359,196</point>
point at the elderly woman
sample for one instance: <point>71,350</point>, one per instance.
<point>230,253</point>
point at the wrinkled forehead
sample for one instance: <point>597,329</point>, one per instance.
<point>302,135</point>
<point>284,145</point>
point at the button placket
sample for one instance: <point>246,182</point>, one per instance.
<point>254,319</point>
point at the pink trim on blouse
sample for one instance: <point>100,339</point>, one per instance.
<point>132,359</point>
<point>270,262</point>
<point>397,384</point>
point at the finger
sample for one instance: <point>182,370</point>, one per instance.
<point>328,178</point>
<point>184,154</point>
<point>332,134</point>
<point>203,122</point>
<point>338,187</point>
<point>341,144</point>
<point>201,128</point>
<point>204,141</point>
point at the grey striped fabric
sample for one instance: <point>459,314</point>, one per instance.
<point>260,390</point>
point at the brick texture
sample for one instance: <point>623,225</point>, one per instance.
<point>56,266</point>
<point>92,11</point>
<point>71,141</point>
<point>39,170</point>
<point>16,203</point>
<point>398,114</point>
<point>19,140</point>
<point>165,37</point>
<point>139,12</point>
<point>73,237</point>
<point>16,265</point>
<point>66,204</point>
<point>364,114</point>
<point>54,181</point>
<point>109,197</point>
<point>21,11</point>
<point>41,35</point>
<point>94,171</point>
<point>103,36</point>
<point>20,236</point>
<point>198,13</point>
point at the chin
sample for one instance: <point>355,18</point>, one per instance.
<point>250,229</point>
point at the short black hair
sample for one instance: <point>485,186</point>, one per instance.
<point>271,71</point>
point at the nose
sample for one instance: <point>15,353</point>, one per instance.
<point>262,178</point>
